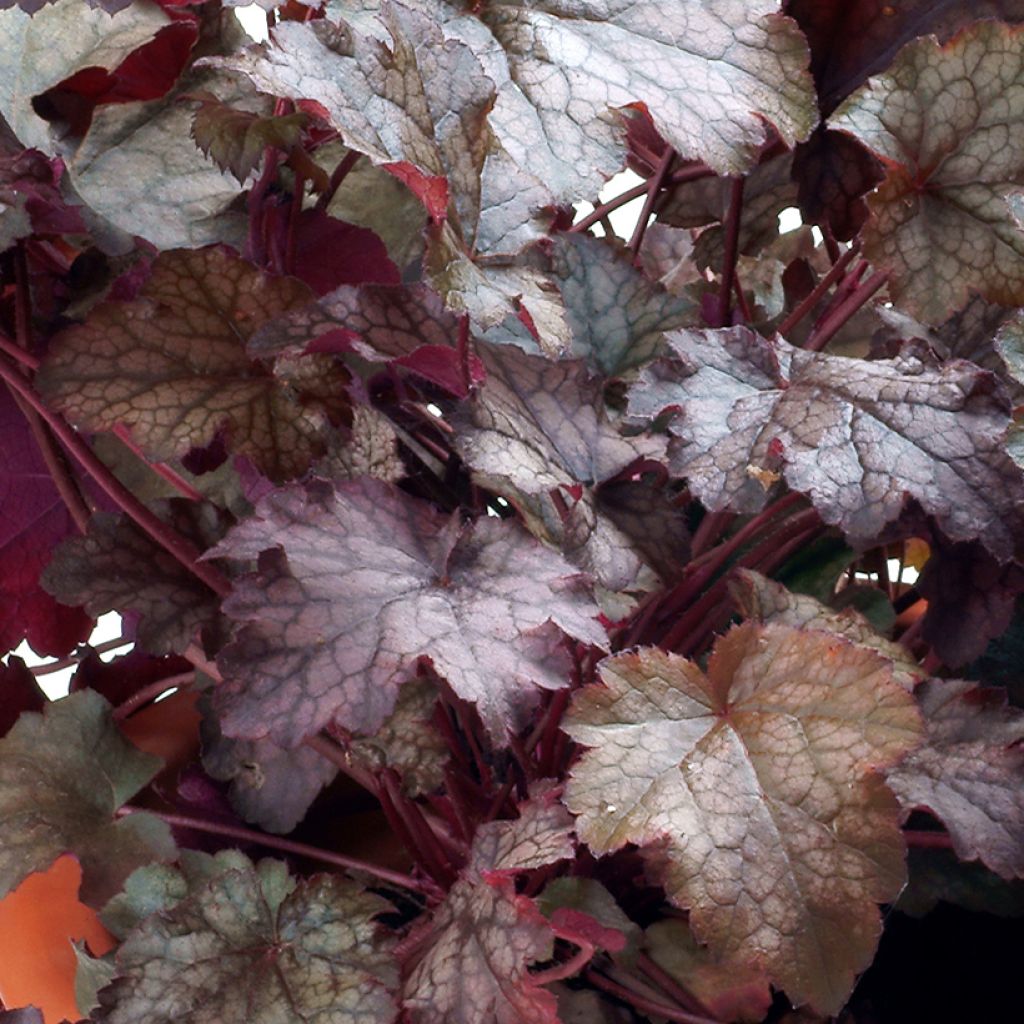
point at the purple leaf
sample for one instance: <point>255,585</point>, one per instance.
<point>359,580</point>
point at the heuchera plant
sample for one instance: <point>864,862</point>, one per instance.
<point>540,608</point>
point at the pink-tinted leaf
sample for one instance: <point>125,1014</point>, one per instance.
<point>253,943</point>
<point>116,567</point>
<point>63,774</point>
<point>537,427</point>
<point>758,779</point>
<point>171,366</point>
<point>617,316</point>
<point>33,521</point>
<point>357,581</point>
<point>742,996</point>
<point>586,897</point>
<point>945,122</point>
<point>19,692</point>
<point>857,437</point>
<point>469,962</point>
<point>542,834</point>
<point>970,773</point>
<point>269,786</point>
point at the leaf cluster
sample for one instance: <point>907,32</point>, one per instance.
<point>533,619</point>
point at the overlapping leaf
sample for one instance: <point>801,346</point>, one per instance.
<point>135,168</point>
<point>470,962</point>
<point>856,437</point>
<point>970,599</point>
<point>407,740</point>
<point>268,785</point>
<point>116,567</point>
<point>616,315</point>
<point>473,958</point>
<point>945,121</point>
<point>970,773</point>
<point>172,366</point>
<point>710,72</point>
<point>252,943</point>
<point>38,52</point>
<point>236,140</point>
<point>765,600</point>
<point>63,774</point>
<point>538,427</point>
<point>357,581</point>
<point>758,778</point>
<point>33,521</point>
<point>728,994</point>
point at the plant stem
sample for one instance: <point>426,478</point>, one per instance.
<point>928,840</point>
<point>733,219</point>
<point>248,835</point>
<point>569,967</point>
<point>17,353</point>
<point>338,175</point>
<point>808,304</point>
<point>151,692</point>
<point>179,547</point>
<point>642,1003</point>
<point>825,331</point>
<point>654,186</point>
<point>176,480</point>
<point>680,177</point>
<point>664,980</point>
<point>341,759</point>
<point>62,663</point>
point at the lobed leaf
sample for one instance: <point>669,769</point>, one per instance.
<point>63,775</point>
<point>857,437</point>
<point>116,567</point>
<point>171,365</point>
<point>945,121</point>
<point>252,943</point>
<point>542,834</point>
<point>711,72</point>
<point>617,316</point>
<point>359,580</point>
<point>970,772</point>
<point>268,786</point>
<point>759,780</point>
<point>536,427</point>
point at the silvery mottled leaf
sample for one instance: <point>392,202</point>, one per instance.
<point>857,437</point>
<point>946,122</point>
<point>536,427</point>
<point>209,956</point>
<point>617,315</point>
<point>970,772</point>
